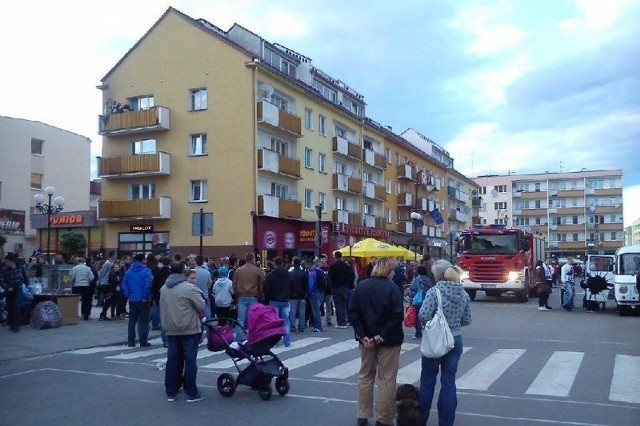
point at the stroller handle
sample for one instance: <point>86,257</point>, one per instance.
<point>214,322</point>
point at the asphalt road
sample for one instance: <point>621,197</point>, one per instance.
<point>520,367</point>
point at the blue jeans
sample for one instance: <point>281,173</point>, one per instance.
<point>567,302</point>
<point>418,323</point>
<point>244,303</point>
<point>138,316</point>
<point>283,309</point>
<point>447,400</point>
<point>154,312</point>
<point>340,295</point>
<point>315,300</point>
<point>182,353</point>
<point>297,307</point>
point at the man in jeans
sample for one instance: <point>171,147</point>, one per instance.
<point>180,302</point>
<point>136,286</point>
<point>298,301</point>
<point>567,277</point>
<point>247,286</point>
<point>342,277</point>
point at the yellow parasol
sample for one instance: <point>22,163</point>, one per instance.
<point>371,247</point>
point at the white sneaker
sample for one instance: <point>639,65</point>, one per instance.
<point>542,308</point>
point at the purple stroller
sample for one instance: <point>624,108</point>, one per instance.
<point>264,330</point>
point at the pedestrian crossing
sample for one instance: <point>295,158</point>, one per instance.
<point>321,358</point>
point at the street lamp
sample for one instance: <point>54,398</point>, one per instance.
<point>49,209</point>
<point>416,219</point>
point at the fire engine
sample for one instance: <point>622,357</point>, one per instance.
<point>496,259</point>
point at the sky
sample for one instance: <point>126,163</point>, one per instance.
<point>505,86</point>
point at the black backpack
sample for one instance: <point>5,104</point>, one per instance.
<point>322,282</point>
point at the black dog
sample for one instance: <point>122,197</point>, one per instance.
<point>408,406</point>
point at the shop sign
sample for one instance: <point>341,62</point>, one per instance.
<point>66,219</point>
<point>270,239</point>
<point>141,228</point>
<point>12,221</point>
<point>360,230</point>
<point>307,235</point>
<point>289,240</point>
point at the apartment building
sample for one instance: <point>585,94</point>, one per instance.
<point>578,212</point>
<point>258,137</point>
<point>35,156</point>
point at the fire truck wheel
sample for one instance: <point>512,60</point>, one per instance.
<point>472,294</point>
<point>522,295</point>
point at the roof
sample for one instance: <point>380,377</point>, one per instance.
<point>48,125</point>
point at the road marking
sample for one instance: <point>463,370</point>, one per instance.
<point>111,348</point>
<point>625,384</point>
<point>557,375</point>
<point>298,344</point>
<point>489,369</point>
<point>411,373</point>
<point>320,354</point>
<point>140,354</point>
<point>352,367</point>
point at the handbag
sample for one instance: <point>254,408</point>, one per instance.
<point>418,298</point>
<point>437,339</point>
<point>410,316</point>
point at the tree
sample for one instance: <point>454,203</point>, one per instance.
<point>73,242</point>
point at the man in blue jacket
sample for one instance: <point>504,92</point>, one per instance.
<point>136,286</point>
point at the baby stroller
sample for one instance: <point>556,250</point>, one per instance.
<point>264,330</point>
<point>596,290</point>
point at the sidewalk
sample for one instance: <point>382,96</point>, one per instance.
<point>85,334</point>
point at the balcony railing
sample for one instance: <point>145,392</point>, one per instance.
<point>272,206</point>
<point>149,209</point>
<point>347,148</point>
<point>140,165</point>
<point>458,215</point>
<point>405,199</point>
<point>280,119</point>
<point>345,216</point>
<point>374,159</point>
<point>272,161</point>
<point>130,122</point>
<point>344,183</point>
<point>373,191</point>
<point>404,171</point>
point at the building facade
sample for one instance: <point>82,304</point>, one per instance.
<point>280,154</point>
<point>577,212</point>
<point>35,156</point>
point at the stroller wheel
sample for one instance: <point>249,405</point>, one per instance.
<point>265,392</point>
<point>282,385</point>
<point>226,384</point>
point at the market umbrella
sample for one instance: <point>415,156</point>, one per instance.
<point>411,255</point>
<point>371,247</point>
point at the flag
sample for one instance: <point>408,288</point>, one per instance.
<point>436,216</point>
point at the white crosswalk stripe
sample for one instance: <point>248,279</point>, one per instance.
<point>557,375</point>
<point>625,385</point>
<point>488,370</point>
<point>341,361</point>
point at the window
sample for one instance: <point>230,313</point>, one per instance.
<point>340,131</point>
<point>322,163</point>
<point>141,102</point>
<point>340,168</point>
<point>280,102</point>
<point>537,204</point>
<point>387,155</point>
<point>36,181</point>
<point>575,236</point>
<point>198,99</point>
<point>308,123</point>
<point>483,190</point>
<point>308,158</point>
<point>387,215</point>
<point>280,147</point>
<point>308,198</point>
<point>368,209</point>
<point>537,186</point>
<point>198,191</point>
<point>142,191</point>
<point>367,176</point>
<point>322,125</point>
<point>287,68</point>
<point>501,205</point>
<point>614,236</point>
<point>198,144</point>
<point>278,190</point>
<point>341,204</point>
<point>574,220</point>
<point>397,158</point>
<point>501,188</point>
<point>36,146</point>
<point>145,146</point>
<point>387,185</point>
<point>322,200</point>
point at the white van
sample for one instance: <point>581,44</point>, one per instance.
<point>627,266</point>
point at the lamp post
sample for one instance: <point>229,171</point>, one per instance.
<point>49,209</point>
<point>416,219</point>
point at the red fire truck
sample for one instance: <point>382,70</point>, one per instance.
<point>497,259</point>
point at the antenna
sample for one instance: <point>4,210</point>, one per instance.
<point>265,90</point>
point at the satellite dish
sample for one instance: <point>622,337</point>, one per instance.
<point>502,213</point>
<point>466,209</point>
<point>592,208</point>
<point>617,206</point>
<point>494,193</point>
<point>265,90</point>
<point>474,193</point>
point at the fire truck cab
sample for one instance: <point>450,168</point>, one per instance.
<point>497,259</point>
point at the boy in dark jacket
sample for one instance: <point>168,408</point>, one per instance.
<point>277,292</point>
<point>298,302</point>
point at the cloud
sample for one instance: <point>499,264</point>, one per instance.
<point>595,15</point>
<point>630,197</point>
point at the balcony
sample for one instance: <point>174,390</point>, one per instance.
<point>273,162</point>
<point>531,212</point>
<point>279,119</point>
<point>131,122</point>
<point>374,159</point>
<point>346,148</point>
<point>476,202</point>
<point>404,171</point>
<point>345,183</point>
<point>150,209</point>
<point>345,216</point>
<point>458,215</point>
<point>373,191</point>
<point>602,192</point>
<point>371,221</point>
<point>272,206</point>
<point>140,165</point>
